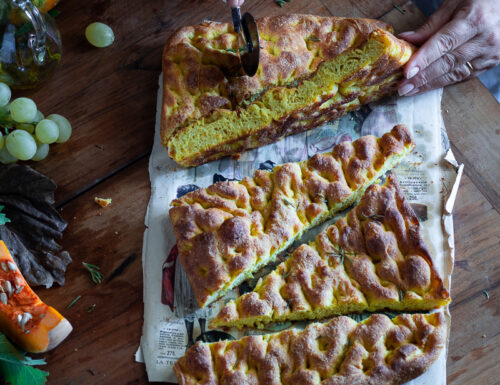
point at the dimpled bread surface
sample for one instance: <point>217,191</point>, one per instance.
<point>227,231</point>
<point>375,258</point>
<point>375,351</point>
<point>312,69</point>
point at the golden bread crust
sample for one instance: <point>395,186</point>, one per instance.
<point>197,61</point>
<point>341,352</point>
<point>226,231</point>
<point>374,258</point>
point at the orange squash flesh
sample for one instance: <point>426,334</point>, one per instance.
<point>24,318</point>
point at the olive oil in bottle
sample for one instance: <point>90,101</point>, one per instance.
<point>30,44</point>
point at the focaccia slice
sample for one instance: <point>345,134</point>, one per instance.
<point>374,258</point>
<point>229,230</point>
<point>312,69</point>
<point>377,350</point>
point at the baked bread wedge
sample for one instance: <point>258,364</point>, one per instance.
<point>377,350</point>
<point>312,69</point>
<point>24,318</point>
<point>227,231</point>
<point>373,259</point>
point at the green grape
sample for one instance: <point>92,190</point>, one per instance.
<point>39,116</point>
<point>2,141</point>
<point>23,110</point>
<point>41,152</point>
<point>99,35</point>
<point>5,94</point>
<point>21,144</point>
<point>47,131</point>
<point>64,125</point>
<point>26,127</point>
<point>6,157</point>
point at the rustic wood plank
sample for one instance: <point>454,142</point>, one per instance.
<point>410,19</point>
<point>472,357</point>
<point>103,341</point>
<point>472,117</point>
<point>361,8</point>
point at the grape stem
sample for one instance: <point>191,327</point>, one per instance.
<point>6,125</point>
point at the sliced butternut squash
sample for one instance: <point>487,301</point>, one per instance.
<point>24,318</point>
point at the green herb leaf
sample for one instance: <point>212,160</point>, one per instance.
<point>341,254</point>
<point>3,217</point>
<point>74,301</point>
<point>281,3</point>
<point>314,38</point>
<point>91,308</point>
<point>34,362</point>
<point>16,368</point>
<point>399,9</point>
<point>234,50</point>
<point>94,272</point>
<point>290,203</point>
<point>486,294</point>
<point>377,217</point>
<point>322,198</point>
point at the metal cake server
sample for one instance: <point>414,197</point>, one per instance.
<point>250,50</point>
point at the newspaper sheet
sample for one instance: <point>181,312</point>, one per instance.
<point>172,320</point>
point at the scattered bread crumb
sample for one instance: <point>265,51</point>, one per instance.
<point>103,202</point>
<point>483,336</point>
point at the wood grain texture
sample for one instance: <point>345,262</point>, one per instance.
<point>475,138</point>
<point>110,97</point>
<point>101,347</point>
<point>475,330</point>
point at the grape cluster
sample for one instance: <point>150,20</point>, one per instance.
<point>25,133</point>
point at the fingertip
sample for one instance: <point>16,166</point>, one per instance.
<point>413,92</point>
<point>405,88</point>
<point>406,34</point>
<point>414,37</point>
<point>411,71</point>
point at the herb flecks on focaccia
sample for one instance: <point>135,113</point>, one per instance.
<point>375,258</point>
<point>375,351</point>
<point>312,70</point>
<point>229,230</point>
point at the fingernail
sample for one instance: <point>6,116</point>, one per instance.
<point>405,89</point>
<point>415,91</point>
<point>412,72</point>
<point>403,34</point>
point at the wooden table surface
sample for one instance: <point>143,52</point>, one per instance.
<point>109,95</point>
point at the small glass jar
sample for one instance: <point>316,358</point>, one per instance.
<point>30,44</point>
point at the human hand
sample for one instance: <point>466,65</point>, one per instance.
<point>235,3</point>
<point>460,40</point>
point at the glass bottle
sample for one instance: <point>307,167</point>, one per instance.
<point>30,44</point>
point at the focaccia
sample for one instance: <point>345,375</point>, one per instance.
<point>229,230</point>
<point>375,258</point>
<point>312,69</point>
<point>341,352</point>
